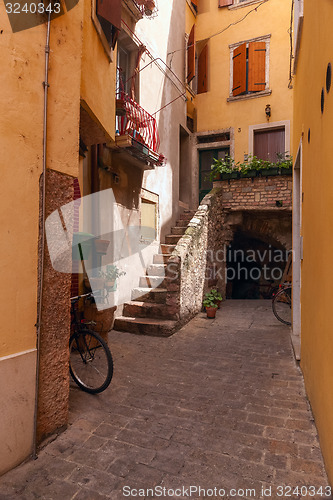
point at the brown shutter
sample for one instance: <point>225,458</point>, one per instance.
<point>257,66</point>
<point>202,70</point>
<point>225,3</point>
<point>110,10</point>
<point>191,56</point>
<point>195,4</point>
<point>239,70</point>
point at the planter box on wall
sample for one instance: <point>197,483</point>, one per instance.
<point>250,173</point>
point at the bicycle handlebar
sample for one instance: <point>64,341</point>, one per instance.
<point>89,294</point>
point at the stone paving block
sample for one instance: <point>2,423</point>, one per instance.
<point>85,494</point>
<point>98,481</point>
<point>219,403</point>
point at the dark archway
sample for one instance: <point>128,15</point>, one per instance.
<point>255,266</point>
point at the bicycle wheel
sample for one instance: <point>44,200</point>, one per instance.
<point>281,305</point>
<point>90,361</point>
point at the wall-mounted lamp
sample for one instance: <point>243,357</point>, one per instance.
<point>268,111</point>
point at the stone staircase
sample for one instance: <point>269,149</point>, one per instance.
<point>148,313</point>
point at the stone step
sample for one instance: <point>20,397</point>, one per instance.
<point>152,282</point>
<point>157,295</point>
<point>160,258</point>
<point>178,230</point>
<point>167,249</point>
<point>139,309</point>
<point>182,223</point>
<point>172,239</point>
<point>145,326</point>
<point>156,270</point>
<point>187,215</point>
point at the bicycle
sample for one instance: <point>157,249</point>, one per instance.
<point>281,304</point>
<point>90,359</point>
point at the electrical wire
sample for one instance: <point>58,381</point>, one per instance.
<point>224,29</point>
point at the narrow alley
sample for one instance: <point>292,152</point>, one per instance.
<point>220,404</point>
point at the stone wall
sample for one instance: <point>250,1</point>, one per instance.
<point>53,391</point>
<point>257,192</point>
<point>260,206</point>
<point>186,270</point>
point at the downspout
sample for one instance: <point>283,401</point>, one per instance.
<point>42,230</point>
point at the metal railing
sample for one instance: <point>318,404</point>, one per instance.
<point>137,122</point>
<point>146,7</point>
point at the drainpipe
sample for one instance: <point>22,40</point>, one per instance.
<point>42,229</point>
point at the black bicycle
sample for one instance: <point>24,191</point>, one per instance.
<point>90,359</point>
<point>281,304</point>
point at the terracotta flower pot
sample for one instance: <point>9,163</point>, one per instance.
<point>101,246</point>
<point>211,312</point>
<point>111,286</point>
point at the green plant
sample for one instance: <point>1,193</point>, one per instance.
<point>112,273</point>
<point>223,166</point>
<point>210,298</point>
<point>216,295</point>
<point>209,303</point>
<point>227,165</point>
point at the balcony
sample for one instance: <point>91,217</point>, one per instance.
<point>140,8</point>
<point>137,133</point>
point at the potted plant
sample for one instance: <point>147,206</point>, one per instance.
<point>101,246</point>
<point>226,168</point>
<point>110,276</point>
<point>217,297</point>
<point>210,304</point>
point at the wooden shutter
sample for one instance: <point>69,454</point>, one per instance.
<point>202,70</point>
<point>257,66</point>
<point>110,10</point>
<point>268,144</point>
<point>191,56</point>
<point>225,3</point>
<point>239,70</point>
<point>195,4</point>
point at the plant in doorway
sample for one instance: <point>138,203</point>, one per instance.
<point>110,275</point>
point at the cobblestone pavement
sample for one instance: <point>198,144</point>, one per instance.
<point>221,404</point>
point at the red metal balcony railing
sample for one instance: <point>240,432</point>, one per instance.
<point>137,123</point>
<point>146,7</point>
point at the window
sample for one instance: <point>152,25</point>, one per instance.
<point>148,220</point>
<point>228,3</point>
<point>109,15</point>
<point>269,144</point>
<point>194,4</point>
<point>249,67</point>
<point>269,140</point>
<point>197,64</point>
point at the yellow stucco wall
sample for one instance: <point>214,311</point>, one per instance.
<point>21,140</point>
<point>317,225</point>
<point>98,80</point>
<point>214,112</point>
<point>21,129</point>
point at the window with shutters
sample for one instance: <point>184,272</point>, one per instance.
<point>236,3</point>
<point>196,64</point>
<point>249,68</point>
<point>106,16</point>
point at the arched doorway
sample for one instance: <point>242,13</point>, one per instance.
<point>255,266</point>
